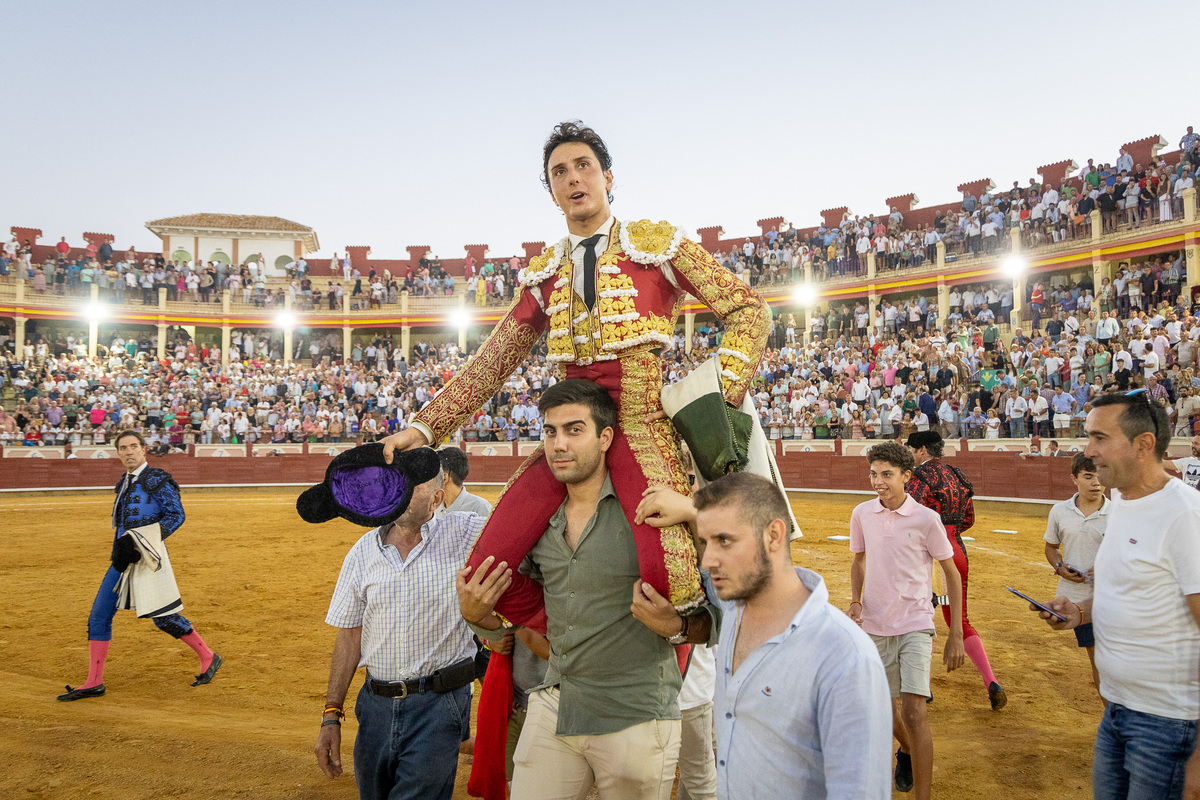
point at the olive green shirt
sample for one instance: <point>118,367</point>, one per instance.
<point>612,671</point>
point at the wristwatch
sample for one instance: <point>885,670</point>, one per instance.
<point>681,637</point>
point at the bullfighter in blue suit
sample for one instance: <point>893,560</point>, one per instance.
<point>145,495</point>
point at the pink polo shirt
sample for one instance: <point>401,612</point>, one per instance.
<point>901,547</point>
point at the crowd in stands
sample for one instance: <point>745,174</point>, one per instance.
<point>1124,192</point>
<point>856,373</point>
<point>129,278</point>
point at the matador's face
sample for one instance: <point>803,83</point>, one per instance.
<point>578,183</point>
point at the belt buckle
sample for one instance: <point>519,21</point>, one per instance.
<point>403,690</point>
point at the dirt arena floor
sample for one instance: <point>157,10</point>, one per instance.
<point>256,582</point>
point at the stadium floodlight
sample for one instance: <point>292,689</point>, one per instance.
<point>460,318</point>
<point>285,319</point>
<point>804,295</point>
<point>95,312</point>
<point>1014,266</point>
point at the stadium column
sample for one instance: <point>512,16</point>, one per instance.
<point>1189,239</point>
<point>462,323</point>
<point>19,340</point>
<point>943,301</point>
<point>871,265</point>
<point>287,329</point>
<point>93,323</point>
<point>347,344</point>
<point>161,349</point>
<point>1018,281</point>
<point>405,327</point>
<point>1100,267</point>
<point>225,328</point>
<point>689,331</point>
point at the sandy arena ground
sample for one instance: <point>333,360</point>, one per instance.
<point>256,582</point>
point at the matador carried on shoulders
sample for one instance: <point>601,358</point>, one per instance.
<point>607,297</point>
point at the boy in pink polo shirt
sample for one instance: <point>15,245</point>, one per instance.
<point>892,602</point>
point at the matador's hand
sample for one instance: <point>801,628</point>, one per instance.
<point>408,439</point>
<point>661,506</point>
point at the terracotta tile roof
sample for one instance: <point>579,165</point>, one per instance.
<point>240,222</point>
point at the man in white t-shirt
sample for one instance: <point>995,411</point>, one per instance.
<point>1053,363</point>
<point>1040,409</point>
<point>1188,468</point>
<point>1146,608</point>
<point>1077,526</point>
<point>1150,364</point>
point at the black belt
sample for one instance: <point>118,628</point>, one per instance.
<point>446,679</point>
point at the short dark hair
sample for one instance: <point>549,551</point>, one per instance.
<point>1081,463</point>
<point>574,131</point>
<point>455,463</point>
<point>577,390</point>
<point>759,498</point>
<point>128,432</point>
<point>1140,415</point>
<point>892,453</point>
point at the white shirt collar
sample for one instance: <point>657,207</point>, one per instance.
<point>138,472</point>
<point>1101,511</point>
<point>604,230</point>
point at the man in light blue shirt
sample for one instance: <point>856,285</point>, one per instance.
<point>802,702</point>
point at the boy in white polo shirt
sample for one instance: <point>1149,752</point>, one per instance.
<point>891,592</point>
<point>1077,526</point>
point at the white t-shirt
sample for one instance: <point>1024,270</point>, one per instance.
<point>1147,643</point>
<point>1150,364</point>
<point>1189,470</point>
<point>700,683</point>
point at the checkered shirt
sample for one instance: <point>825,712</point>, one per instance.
<point>408,608</point>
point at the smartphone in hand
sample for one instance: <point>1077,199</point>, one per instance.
<point>1045,608</point>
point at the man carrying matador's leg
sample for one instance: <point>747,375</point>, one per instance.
<point>607,297</point>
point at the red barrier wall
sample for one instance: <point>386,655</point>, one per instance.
<point>992,474</point>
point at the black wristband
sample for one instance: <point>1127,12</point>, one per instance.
<point>326,722</point>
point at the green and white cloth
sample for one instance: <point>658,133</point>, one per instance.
<point>722,439</point>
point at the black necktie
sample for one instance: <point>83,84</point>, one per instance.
<point>589,270</point>
<point>125,481</point>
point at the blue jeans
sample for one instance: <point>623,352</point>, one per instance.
<point>407,749</point>
<point>1140,756</point>
<point>104,608</point>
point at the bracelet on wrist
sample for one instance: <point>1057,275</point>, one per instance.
<point>334,710</point>
<point>325,723</point>
<point>681,637</point>
<point>852,602</point>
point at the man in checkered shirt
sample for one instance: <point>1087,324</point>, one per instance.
<point>397,614</point>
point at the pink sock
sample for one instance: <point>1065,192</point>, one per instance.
<point>194,641</point>
<point>974,647</point>
<point>97,652</point>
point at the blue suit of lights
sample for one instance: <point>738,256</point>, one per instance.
<point>153,497</point>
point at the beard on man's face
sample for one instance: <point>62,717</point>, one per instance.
<point>749,586</point>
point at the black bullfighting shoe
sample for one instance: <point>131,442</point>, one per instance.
<point>207,675</point>
<point>79,694</point>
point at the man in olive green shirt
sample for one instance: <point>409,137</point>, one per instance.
<point>608,711</point>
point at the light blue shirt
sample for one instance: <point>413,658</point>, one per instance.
<point>808,713</point>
